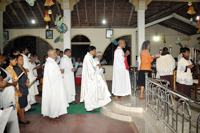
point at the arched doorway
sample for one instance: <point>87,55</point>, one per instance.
<point>79,46</point>
<point>109,52</point>
<point>35,45</point>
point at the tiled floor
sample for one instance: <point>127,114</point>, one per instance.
<point>76,123</point>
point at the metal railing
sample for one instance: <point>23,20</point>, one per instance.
<point>133,78</point>
<point>160,99</point>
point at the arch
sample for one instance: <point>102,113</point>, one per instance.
<point>109,50</point>
<point>27,35</point>
<point>82,35</point>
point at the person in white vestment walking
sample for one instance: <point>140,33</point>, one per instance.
<point>121,85</point>
<point>94,90</point>
<point>54,101</point>
<point>58,55</point>
<point>33,90</point>
<point>68,75</point>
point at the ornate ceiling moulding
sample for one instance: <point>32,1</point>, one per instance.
<point>69,4</point>
<point>139,4</point>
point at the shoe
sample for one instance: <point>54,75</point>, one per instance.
<point>31,109</point>
<point>72,103</point>
<point>141,97</point>
<point>34,104</point>
<point>28,122</point>
<point>92,111</point>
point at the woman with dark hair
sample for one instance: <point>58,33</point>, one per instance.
<point>12,60</point>
<point>23,87</point>
<point>184,75</point>
<point>9,98</point>
<point>145,66</point>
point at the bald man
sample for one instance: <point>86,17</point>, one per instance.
<point>121,85</point>
<point>54,102</point>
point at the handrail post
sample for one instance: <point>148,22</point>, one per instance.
<point>146,92</point>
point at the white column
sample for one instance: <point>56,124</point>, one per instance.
<point>141,28</point>
<point>1,31</point>
<point>67,35</point>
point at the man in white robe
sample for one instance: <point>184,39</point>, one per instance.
<point>54,101</point>
<point>68,75</point>
<point>94,91</point>
<point>121,85</point>
<point>58,55</point>
<point>33,90</point>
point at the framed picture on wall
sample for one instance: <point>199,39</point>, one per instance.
<point>109,32</point>
<point>49,34</point>
<point>6,35</point>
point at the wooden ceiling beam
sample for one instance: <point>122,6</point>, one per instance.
<point>122,12</point>
<point>58,8</point>
<point>95,6</point>
<point>78,15</point>
<point>178,0</point>
<point>178,26</point>
<point>34,15</point>
<point>40,9</point>
<point>10,17</point>
<point>16,14</point>
<point>86,13</point>
<point>130,15</point>
<point>23,11</point>
<point>113,10</point>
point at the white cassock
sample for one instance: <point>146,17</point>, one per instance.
<point>33,90</point>
<point>100,70</point>
<point>121,85</point>
<point>68,75</point>
<point>94,90</point>
<point>54,101</point>
<point>33,64</point>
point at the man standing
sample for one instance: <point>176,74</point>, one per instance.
<point>33,90</point>
<point>94,91</point>
<point>68,75</point>
<point>98,58</point>
<point>121,80</point>
<point>54,102</point>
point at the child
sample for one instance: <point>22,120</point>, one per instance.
<point>184,75</point>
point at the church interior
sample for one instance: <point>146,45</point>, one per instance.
<point>78,24</point>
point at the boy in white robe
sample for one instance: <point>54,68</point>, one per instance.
<point>54,101</point>
<point>184,75</point>
<point>94,91</point>
<point>121,85</point>
<point>68,75</point>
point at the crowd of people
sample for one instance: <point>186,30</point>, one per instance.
<point>18,89</point>
<point>165,65</point>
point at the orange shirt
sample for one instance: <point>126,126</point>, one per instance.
<point>146,60</point>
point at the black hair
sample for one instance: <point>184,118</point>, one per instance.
<point>61,51</point>
<point>66,50</point>
<point>91,48</point>
<point>165,49</point>
<point>17,56</point>
<point>145,44</point>
<point>14,50</point>
<point>185,49</point>
<point>23,49</point>
<point>126,48</point>
<point>44,57</point>
<point>57,49</point>
<point>181,50</point>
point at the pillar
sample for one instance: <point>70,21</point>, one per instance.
<point>67,6</point>
<point>1,31</point>
<point>140,7</point>
<point>3,4</point>
<point>67,35</point>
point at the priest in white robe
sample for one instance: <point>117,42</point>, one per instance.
<point>54,101</point>
<point>68,75</point>
<point>121,85</point>
<point>33,90</point>
<point>94,91</point>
